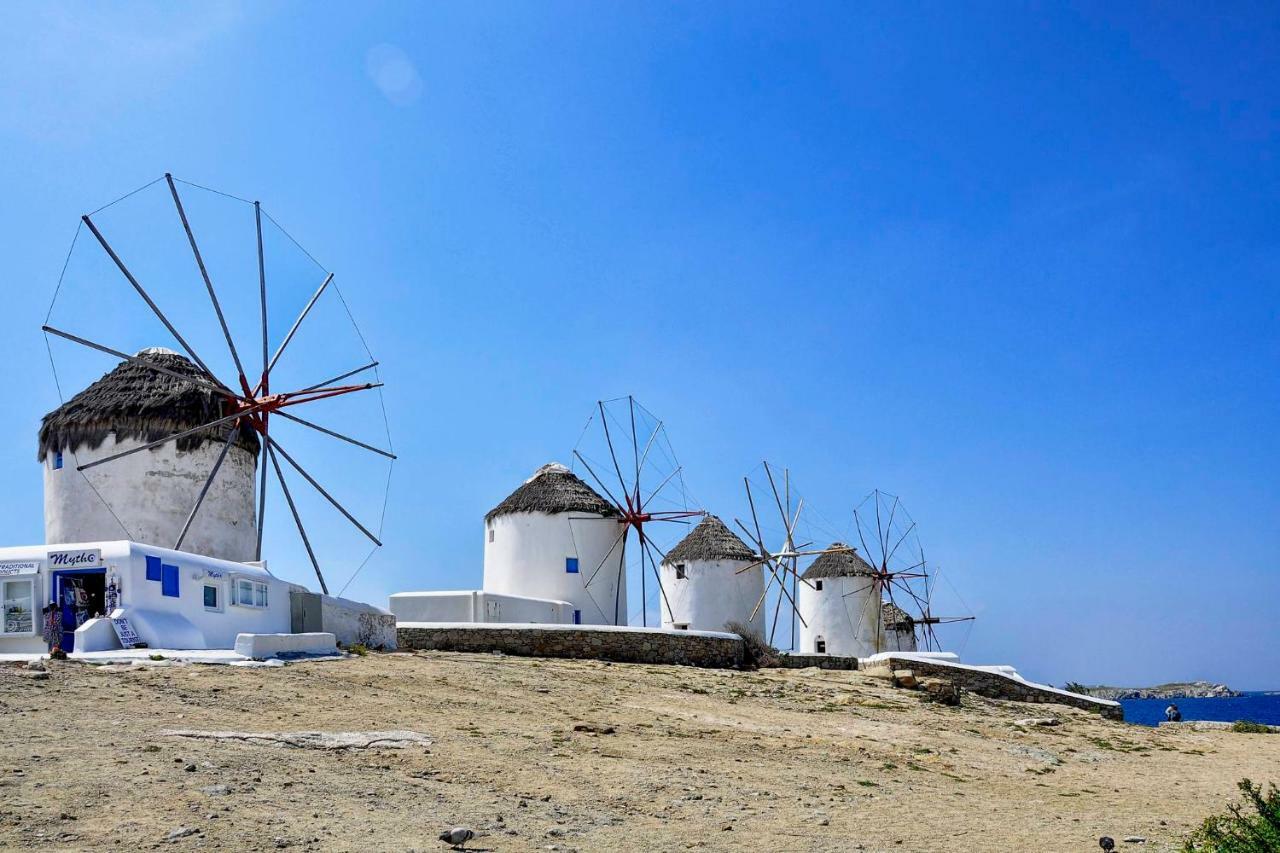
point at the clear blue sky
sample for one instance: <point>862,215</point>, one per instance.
<point>1017,264</point>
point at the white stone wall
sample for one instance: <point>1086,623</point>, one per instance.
<point>845,614</point>
<point>478,606</point>
<point>525,552</point>
<point>151,493</point>
<point>712,594</point>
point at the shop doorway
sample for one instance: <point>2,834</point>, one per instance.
<point>80,594</point>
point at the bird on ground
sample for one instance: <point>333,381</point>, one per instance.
<point>457,837</point>
<point>1107,843</point>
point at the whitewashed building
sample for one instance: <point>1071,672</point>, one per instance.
<point>121,594</point>
<point>556,539</point>
<point>839,605</point>
<point>711,578</point>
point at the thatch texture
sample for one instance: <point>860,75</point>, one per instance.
<point>137,403</point>
<point>710,540</point>
<point>553,488</point>
<point>839,562</point>
<point>895,618</point>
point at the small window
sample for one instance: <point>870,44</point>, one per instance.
<point>211,599</point>
<point>571,565</point>
<point>169,581</point>
<point>249,593</point>
<point>490,534</point>
<point>680,573</point>
<point>577,617</point>
<point>820,647</point>
<point>57,460</point>
<point>681,626</point>
<point>817,585</point>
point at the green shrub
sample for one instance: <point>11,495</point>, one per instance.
<point>1249,727</point>
<point>1251,827</point>
<point>358,649</point>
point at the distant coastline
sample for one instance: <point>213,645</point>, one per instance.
<point>1172,690</point>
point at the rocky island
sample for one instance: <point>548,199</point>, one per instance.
<point>1172,690</point>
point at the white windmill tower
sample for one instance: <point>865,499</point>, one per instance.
<point>554,538</point>
<point>839,605</point>
<point>164,448</point>
<point>149,496</point>
<point>712,579</point>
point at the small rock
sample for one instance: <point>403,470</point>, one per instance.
<point>180,832</point>
<point>594,728</point>
<point>904,678</point>
<point>1134,839</point>
<point>1038,721</point>
<point>189,767</point>
<point>216,790</point>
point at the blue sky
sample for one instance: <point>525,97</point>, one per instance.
<point>1014,263</point>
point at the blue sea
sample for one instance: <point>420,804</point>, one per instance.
<point>1263,707</point>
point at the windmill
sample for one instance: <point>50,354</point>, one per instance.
<point>783,561</point>
<point>890,540</point>
<point>624,449</point>
<point>144,266</point>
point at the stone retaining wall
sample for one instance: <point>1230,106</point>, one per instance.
<point>993,685</point>
<point>637,645</point>
<point>801,661</point>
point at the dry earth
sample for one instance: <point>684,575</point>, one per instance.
<point>710,760</point>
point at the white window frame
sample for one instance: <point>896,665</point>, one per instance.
<point>259,593</point>
<point>218,608</point>
<point>36,626</point>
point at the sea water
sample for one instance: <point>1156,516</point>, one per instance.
<point>1260,707</point>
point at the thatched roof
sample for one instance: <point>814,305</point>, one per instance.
<point>710,540</point>
<point>894,617</point>
<point>839,562</point>
<point>553,488</point>
<point>135,402</point>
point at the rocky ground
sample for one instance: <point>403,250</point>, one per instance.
<point>582,755</point>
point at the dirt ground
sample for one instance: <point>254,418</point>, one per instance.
<point>699,759</point>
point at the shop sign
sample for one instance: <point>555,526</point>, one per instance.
<point>19,567</point>
<point>85,558</point>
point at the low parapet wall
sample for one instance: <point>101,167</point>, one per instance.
<point>997,685</point>
<point>802,661</point>
<point>600,642</point>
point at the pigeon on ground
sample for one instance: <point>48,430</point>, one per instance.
<point>457,837</point>
<point>1107,843</point>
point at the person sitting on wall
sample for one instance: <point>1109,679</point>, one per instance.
<point>1172,714</point>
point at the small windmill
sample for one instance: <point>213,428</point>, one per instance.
<point>784,561</point>
<point>624,440</point>
<point>891,543</point>
<point>251,401</point>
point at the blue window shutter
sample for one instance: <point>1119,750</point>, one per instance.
<point>153,568</point>
<point>57,460</point>
<point>577,617</point>
<point>571,565</point>
<point>169,581</point>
